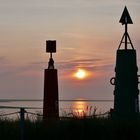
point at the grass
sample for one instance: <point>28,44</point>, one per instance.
<point>71,128</point>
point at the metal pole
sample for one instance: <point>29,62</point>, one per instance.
<point>22,124</point>
<point>126,36</point>
<point>51,55</point>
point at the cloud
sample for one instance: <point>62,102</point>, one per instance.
<point>94,64</point>
<point>89,64</point>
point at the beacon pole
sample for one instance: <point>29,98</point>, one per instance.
<point>126,100</point>
<point>50,102</point>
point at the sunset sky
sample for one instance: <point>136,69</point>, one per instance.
<point>87,32</point>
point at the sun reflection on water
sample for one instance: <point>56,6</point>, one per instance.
<point>80,108</point>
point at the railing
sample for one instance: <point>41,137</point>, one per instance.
<point>66,107</point>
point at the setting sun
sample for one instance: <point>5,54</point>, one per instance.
<point>80,74</point>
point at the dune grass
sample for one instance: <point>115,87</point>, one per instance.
<point>71,128</point>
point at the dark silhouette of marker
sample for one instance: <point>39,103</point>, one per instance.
<point>50,105</point>
<point>126,101</point>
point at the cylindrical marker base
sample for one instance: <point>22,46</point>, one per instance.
<point>126,92</point>
<point>50,105</point>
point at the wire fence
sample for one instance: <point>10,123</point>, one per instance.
<point>69,113</point>
<point>64,111</point>
<point>24,113</point>
<point>28,112</point>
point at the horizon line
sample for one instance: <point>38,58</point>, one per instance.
<point>61,100</point>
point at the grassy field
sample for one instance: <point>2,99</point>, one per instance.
<point>72,128</point>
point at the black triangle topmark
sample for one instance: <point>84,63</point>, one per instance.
<point>125,18</point>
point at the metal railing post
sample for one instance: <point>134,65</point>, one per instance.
<point>22,123</point>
